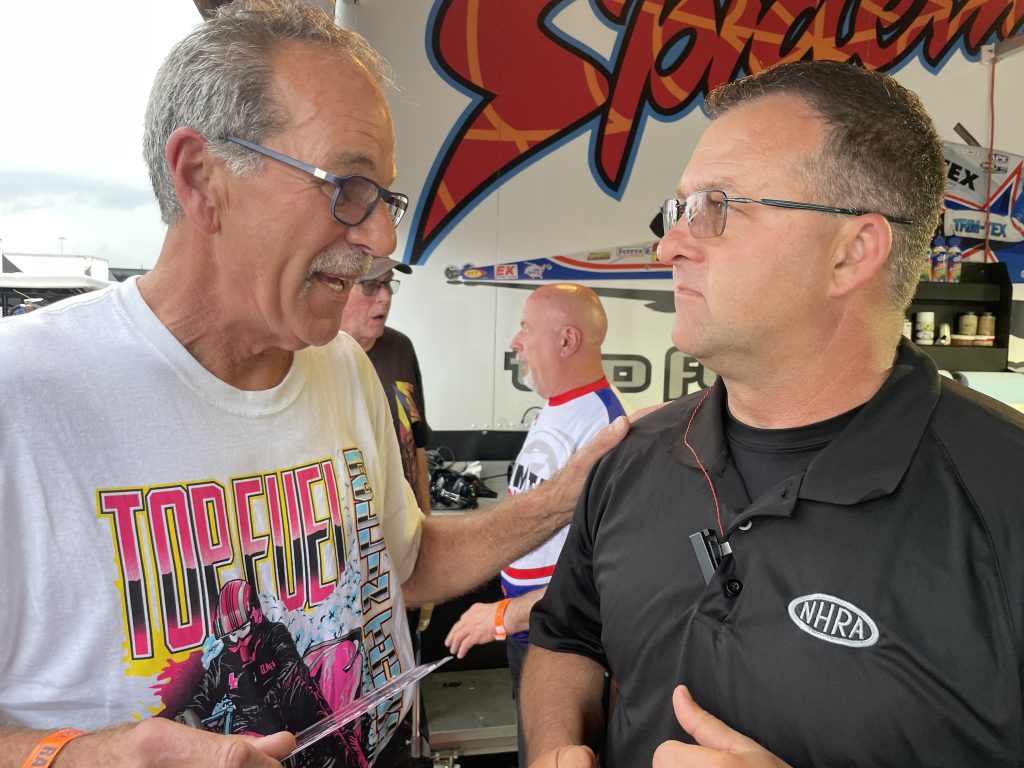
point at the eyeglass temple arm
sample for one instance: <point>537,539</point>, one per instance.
<point>320,173</point>
<point>397,199</point>
<point>815,207</point>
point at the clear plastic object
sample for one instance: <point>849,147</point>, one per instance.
<point>361,706</point>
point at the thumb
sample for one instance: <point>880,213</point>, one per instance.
<point>609,437</point>
<point>277,745</point>
<point>576,756</point>
<point>706,729</point>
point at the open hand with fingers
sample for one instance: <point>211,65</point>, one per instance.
<point>474,627</point>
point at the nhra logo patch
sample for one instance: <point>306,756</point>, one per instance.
<point>833,620</point>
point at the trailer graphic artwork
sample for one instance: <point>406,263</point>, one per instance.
<point>985,196</point>
<point>668,54</point>
<point>262,603</point>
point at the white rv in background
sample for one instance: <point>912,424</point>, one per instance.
<point>31,280</point>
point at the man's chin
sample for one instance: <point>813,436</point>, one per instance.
<point>322,332</point>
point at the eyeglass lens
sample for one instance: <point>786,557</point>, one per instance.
<point>357,196</point>
<point>371,287</point>
<point>705,213</point>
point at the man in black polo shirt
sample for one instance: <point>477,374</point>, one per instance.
<point>825,546</point>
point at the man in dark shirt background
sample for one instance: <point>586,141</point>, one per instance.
<point>392,354</point>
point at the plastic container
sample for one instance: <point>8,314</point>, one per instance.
<point>967,324</point>
<point>908,328</point>
<point>961,340</point>
<point>987,324</point>
<point>984,341</point>
<point>924,328</point>
<point>943,338</point>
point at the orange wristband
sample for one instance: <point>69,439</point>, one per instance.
<point>499,619</point>
<point>46,750</point>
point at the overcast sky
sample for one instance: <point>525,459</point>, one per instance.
<point>74,79</point>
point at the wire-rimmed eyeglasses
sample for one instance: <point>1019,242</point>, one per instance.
<point>706,211</point>
<point>354,196</point>
<point>372,287</point>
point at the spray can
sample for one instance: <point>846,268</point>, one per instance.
<point>953,260</point>
<point>926,266</point>
<point>939,260</point>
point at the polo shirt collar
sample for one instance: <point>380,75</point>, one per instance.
<point>866,461</point>
<point>870,457</point>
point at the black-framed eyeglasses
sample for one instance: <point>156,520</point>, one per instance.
<point>372,287</point>
<point>706,211</point>
<point>354,196</point>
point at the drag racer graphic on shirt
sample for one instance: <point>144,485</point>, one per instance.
<point>257,683</point>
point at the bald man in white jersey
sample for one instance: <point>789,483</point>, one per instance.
<point>559,353</point>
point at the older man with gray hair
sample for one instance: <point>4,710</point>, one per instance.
<point>217,430</point>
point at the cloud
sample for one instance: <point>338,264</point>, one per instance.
<point>25,191</point>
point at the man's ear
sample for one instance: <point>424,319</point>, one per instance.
<point>571,338</point>
<point>860,253</point>
<point>192,169</point>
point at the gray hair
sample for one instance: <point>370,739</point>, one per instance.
<point>881,151</point>
<point>218,81</point>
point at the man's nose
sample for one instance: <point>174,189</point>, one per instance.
<point>376,233</point>
<point>678,244</point>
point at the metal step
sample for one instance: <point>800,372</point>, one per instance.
<point>470,712</point>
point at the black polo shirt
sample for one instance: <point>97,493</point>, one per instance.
<point>880,619</point>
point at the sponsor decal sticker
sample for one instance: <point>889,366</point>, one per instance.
<point>536,271</point>
<point>632,251</point>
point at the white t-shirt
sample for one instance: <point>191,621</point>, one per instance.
<point>134,485</point>
<point>565,424</point>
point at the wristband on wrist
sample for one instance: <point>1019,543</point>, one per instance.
<point>499,619</point>
<point>46,750</point>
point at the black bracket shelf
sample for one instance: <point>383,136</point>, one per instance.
<point>983,288</point>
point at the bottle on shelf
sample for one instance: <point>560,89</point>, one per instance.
<point>924,328</point>
<point>953,260</point>
<point>939,266</point>
<point>967,324</point>
<point>987,324</point>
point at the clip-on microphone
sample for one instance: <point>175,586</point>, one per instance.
<point>709,551</point>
